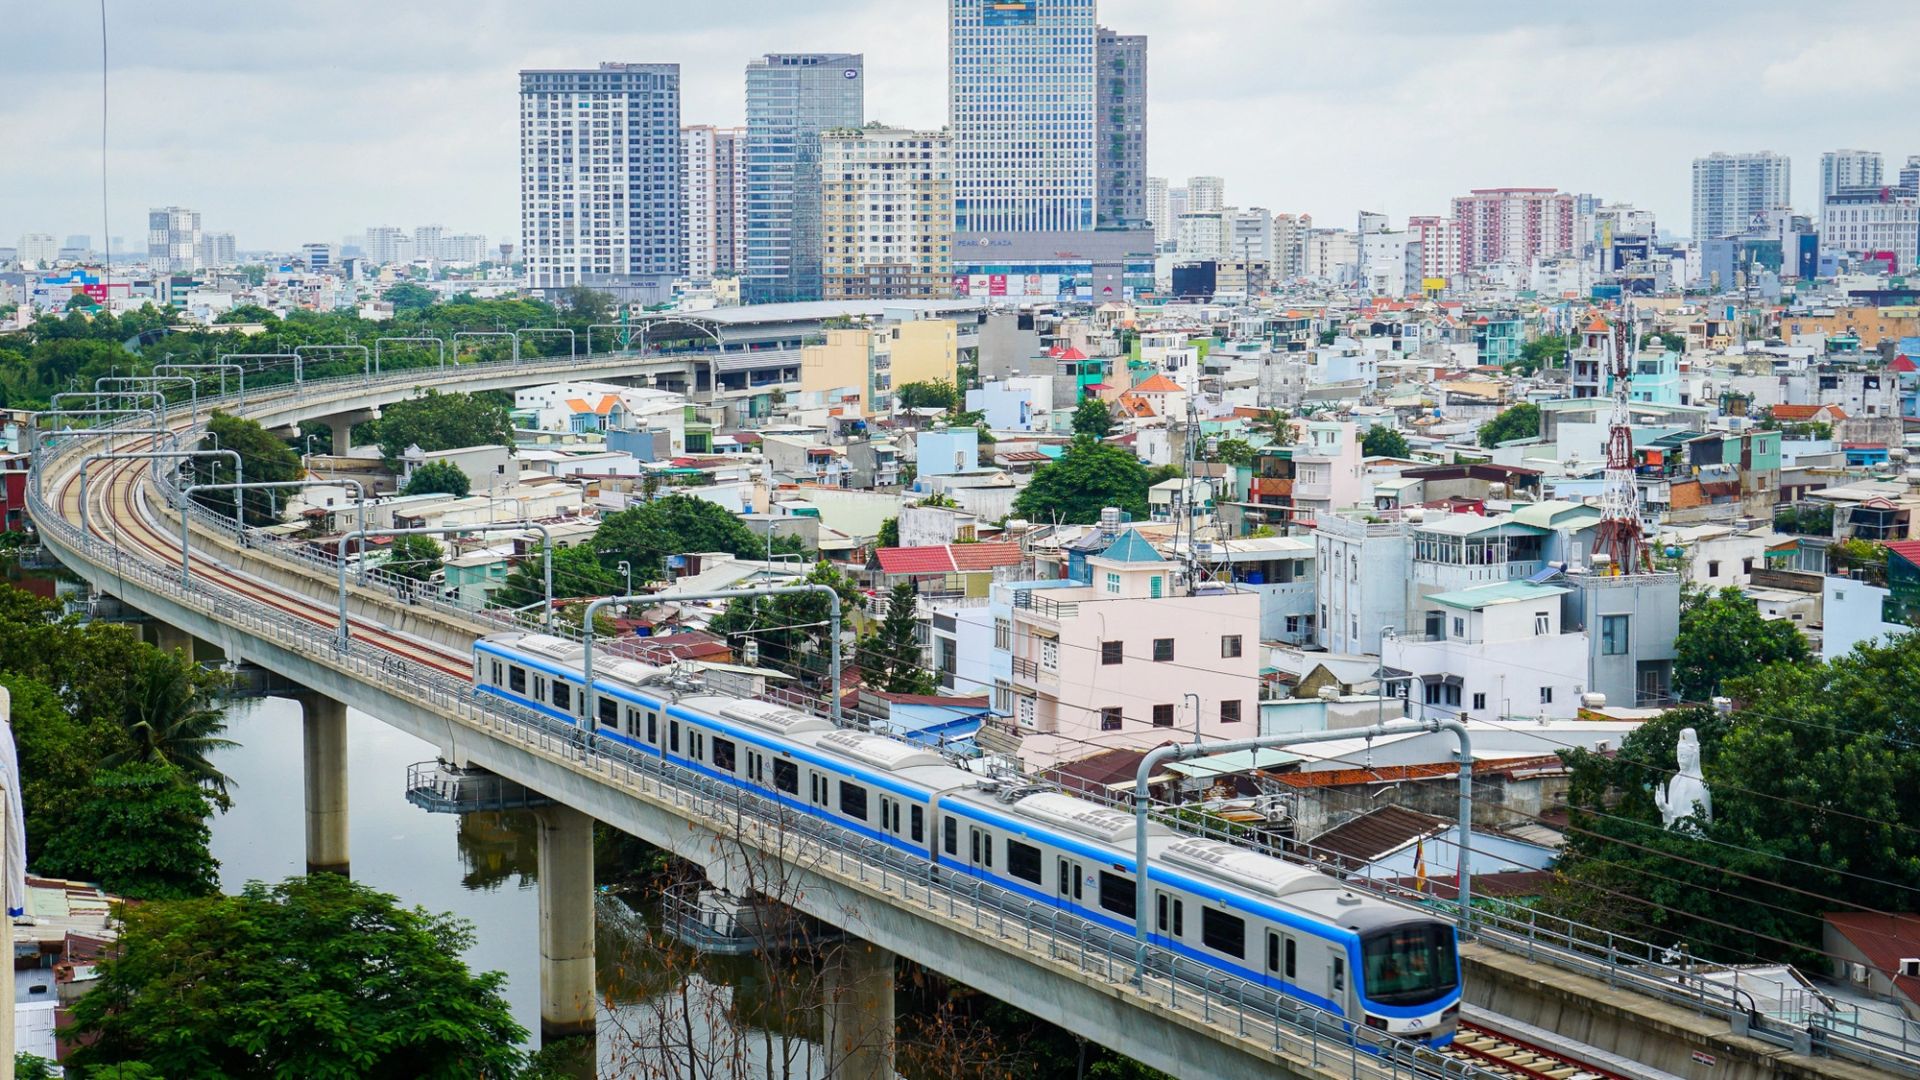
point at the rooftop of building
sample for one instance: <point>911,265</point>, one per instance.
<point>1502,592</point>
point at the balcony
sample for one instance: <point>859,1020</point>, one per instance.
<point>1038,603</point>
<point>1032,673</point>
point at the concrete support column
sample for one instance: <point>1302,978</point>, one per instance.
<point>323,731</point>
<point>342,434</point>
<point>859,999</point>
<point>171,638</point>
<point>568,1000</point>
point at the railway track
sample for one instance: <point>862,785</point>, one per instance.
<point>1503,1055</point>
<point>120,516</point>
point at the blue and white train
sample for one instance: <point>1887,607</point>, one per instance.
<point>1293,929</point>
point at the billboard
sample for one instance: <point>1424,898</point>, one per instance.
<point>1007,12</point>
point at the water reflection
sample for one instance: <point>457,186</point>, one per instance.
<point>665,1012</point>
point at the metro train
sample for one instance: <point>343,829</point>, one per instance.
<point>1296,930</point>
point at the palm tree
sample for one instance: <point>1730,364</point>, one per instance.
<point>170,718</point>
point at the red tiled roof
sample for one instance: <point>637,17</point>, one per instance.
<point>1807,412</point>
<point>1903,362</point>
<point>1906,549</point>
<point>946,558</point>
<point>1158,384</point>
<point>1070,353</point>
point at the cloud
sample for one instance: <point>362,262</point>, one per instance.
<point>285,124</point>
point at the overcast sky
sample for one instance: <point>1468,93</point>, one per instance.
<point>285,123</point>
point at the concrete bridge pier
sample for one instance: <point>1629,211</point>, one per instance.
<point>171,638</point>
<point>342,427</point>
<point>568,999</point>
<point>323,730</point>
<point>859,1000</point>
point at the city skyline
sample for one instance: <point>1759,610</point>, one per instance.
<point>406,134</point>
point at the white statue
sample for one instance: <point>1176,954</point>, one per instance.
<point>1686,795</point>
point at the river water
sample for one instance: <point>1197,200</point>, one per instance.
<point>481,868</point>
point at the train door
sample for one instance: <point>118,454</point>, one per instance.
<point>980,850</point>
<point>1068,890</point>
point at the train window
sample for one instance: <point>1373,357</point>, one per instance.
<point>516,679</point>
<point>1339,973</point>
<point>786,776</point>
<point>723,753</point>
<point>610,713</point>
<point>853,800</point>
<point>633,721</point>
<point>1273,951</point>
<point>917,819</point>
<point>1023,861</point>
<point>539,688</point>
<point>496,672</point>
<point>1223,933</point>
<point>1291,949</point>
<point>1116,895</point>
<point>653,728</point>
<point>698,744</point>
<point>952,836</point>
<point>673,735</point>
<point>562,695</point>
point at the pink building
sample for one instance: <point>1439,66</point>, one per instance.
<point>1439,239</point>
<point>1512,225</point>
<point>1125,661</point>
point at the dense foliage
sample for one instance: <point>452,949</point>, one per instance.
<point>1381,441</point>
<point>1093,418</point>
<point>436,421</point>
<point>1088,477</point>
<point>1815,784</point>
<point>1547,351</point>
<point>264,458</point>
<point>313,977</point>
<point>646,534</point>
<point>1722,637</point>
<point>416,558</point>
<point>438,478</point>
<point>938,394</point>
<point>890,656</point>
<point>1522,421</point>
<point>794,632</point>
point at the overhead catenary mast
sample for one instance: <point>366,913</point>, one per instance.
<point>1620,535</point>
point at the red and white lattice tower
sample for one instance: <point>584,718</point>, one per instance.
<point>1619,535</point>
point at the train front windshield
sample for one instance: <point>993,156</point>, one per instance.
<point>1409,965</point>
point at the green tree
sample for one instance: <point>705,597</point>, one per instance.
<point>409,298</point>
<point>314,977</point>
<point>889,533</point>
<point>1546,351</point>
<point>438,478</point>
<point>1383,441</point>
<point>577,571</point>
<point>890,656</point>
<point>1088,477</point>
<point>1522,421</point>
<point>172,719</point>
<point>436,421</point>
<point>646,534</point>
<point>140,830</point>
<point>29,1067</point>
<point>1093,418</point>
<point>793,632</point>
<point>1234,452</point>
<point>416,558</point>
<point>1329,336</point>
<point>938,394</point>
<point>586,306</point>
<point>1722,636</point>
<point>1865,556</point>
<point>264,458</point>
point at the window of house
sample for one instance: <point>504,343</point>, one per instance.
<point>1479,702</point>
<point>1050,654</point>
<point>1153,587</point>
<point>1546,695</point>
<point>1713,568</point>
<point>1112,652</point>
<point>1028,708</point>
<point>1293,624</point>
<point>1163,716</point>
<point>1110,718</point>
<point>1746,566</point>
<point>1229,645</point>
<point>1542,623</point>
<point>1459,627</point>
<point>1113,583</point>
<point>1230,711</point>
<point>1002,697</point>
<point>1002,634</point>
<point>1162,650</point>
<point>1614,635</point>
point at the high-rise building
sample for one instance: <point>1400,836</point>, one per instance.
<point>217,250</point>
<point>173,240</point>
<point>1909,181</point>
<point>715,165</point>
<point>320,257</point>
<point>887,223</point>
<point>1872,221</point>
<point>791,99</point>
<point>80,242</point>
<point>1249,235</point>
<point>1205,194</point>
<point>1120,129</point>
<point>37,250</point>
<point>1513,225</point>
<point>387,244</point>
<point>1021,98</point>
<point>1290,245</point>
<point>429,241</point>
<point>1728,189</point>
<point>600,199</point>
<point>1203,235</point>
<point>1848,169</point>
<point>1164,228</point>
<point>463,248</point>
<point>1439,240</point>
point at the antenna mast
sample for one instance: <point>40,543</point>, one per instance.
<point>1620,535</point>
